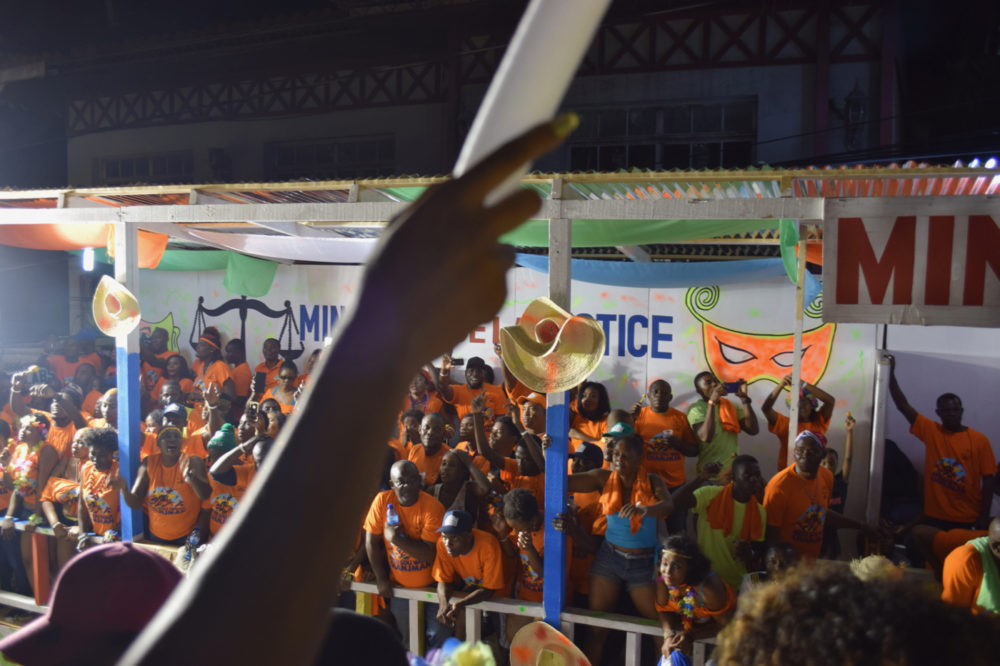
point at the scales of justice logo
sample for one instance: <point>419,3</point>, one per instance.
<point>243,306</point>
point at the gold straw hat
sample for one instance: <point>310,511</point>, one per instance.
<point>550,350</point>
<point>116,310</point>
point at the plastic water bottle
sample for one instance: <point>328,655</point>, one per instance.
<point>391,517</point>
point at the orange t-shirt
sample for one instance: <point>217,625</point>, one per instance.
<point>462,396</point>
<point>401,450</point>
<point>798,507</point>
<point>148,446</point>
<point>172,503</point>
<point>661,459</point>
<point>95,360</point>
<point>954,466</point>
<point>536,484</point>
<point>217,373</point>
<point>90,402</point>
<point>194,444</point>
<point>23,471</point>
<point>271,380</point>
<point>529,581</point>
<point>418,521</point>
<point>151,371</point>
<point>224,498</point>
<point>66,369</point>
<point>66,493</point>
<point>590,428</point>
<point>962,576</point>
<point>242,379</point>
<point>480,567</point>
<point>186,387</point>
<point>946,541</point>
<point>430,404</point>
<point>101,499</point>
<point>61,438</point>
<point>481,463</point>
<point>286,408</point>
<point>429,466</point>
<point>780,429</point>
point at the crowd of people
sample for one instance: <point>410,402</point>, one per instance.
<point>460,502</point>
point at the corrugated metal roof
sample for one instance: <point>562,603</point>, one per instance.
<point>751,185</point>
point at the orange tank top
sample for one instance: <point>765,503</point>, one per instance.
<point>172,503</point>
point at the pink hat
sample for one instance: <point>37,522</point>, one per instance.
<point>101,596</point>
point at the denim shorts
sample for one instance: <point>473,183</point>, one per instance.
<point>633,569</point>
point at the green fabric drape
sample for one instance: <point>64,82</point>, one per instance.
<point>605,233</point>
<point>247,276</point>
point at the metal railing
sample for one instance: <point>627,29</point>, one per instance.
<point>633,627</point>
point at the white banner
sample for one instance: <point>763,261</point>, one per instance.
<point>738,332</point>
<point>912,260</point>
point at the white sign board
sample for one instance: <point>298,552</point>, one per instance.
<point>912,260</point>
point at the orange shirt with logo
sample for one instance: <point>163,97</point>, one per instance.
<point>100,497</point>
<point>954,466</point>
<point>798,506</point>
<point>225,498</point>
<point>529,581</point>
<point>418,521</point>
<point>429,466</point>
<point>480,567</point>
<point>661,459</point>
<point>780,429</point>
<point>172,503</point>
<point>65,493</point>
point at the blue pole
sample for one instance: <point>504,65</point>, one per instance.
<point>127,377</point>
<point>556,459</point>
<point>129,434</point>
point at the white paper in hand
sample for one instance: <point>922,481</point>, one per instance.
<point>532,79</point>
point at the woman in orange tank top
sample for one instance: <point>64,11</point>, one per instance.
<point>171,486</point>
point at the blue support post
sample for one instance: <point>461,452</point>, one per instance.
<point>127,376</point>
<point>129,434</point>
<point>556,460</point>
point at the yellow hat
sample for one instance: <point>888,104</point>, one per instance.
<point>550,350</point>
<point>116,310</point>
<point>538,643</point>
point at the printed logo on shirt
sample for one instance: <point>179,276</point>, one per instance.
<point>100,511</point>
<point>658,448</point>
<point>70,501</point>
<point>223,505</point>
<point>401,560</point>
<point>949,473</point>
<point>472,581</point>
<point>530,579</point>
<point>809,527</point>
<point>165,501</point>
